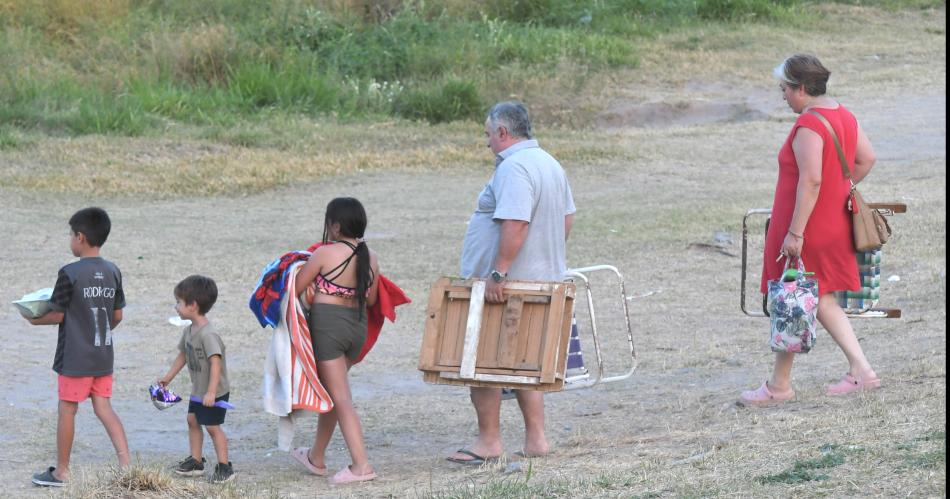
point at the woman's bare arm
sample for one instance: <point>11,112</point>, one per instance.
<point>807,146</point>
<point>864,157</point>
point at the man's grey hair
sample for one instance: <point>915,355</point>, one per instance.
<point>513,116</point>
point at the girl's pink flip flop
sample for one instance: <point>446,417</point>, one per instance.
<point>302,455</point>
<point>346,475</point>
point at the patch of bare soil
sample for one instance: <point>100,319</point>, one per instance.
<point>666,114</point>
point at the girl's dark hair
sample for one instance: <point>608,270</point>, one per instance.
<point>349,213</point>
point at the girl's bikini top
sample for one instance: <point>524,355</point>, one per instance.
<point>325,284</point>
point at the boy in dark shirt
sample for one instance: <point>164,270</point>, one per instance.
<point>87,305</point>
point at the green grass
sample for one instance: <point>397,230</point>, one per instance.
<point>932,459</point>
<point>134,67</point>
<point>895,5</point>
<point>520,484</point>
<point>804,471</point>
<point>11,138</point>
<point>927,437</point>
<point>913,459</point>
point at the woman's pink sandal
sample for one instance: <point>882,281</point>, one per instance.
<point>849,384</point>
<point>763,396</point>
<point>302,455</point>
<point>346,475</point>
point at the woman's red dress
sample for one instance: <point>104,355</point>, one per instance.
<point>828,249</point>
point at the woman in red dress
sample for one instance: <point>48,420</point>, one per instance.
<point>810,219</point>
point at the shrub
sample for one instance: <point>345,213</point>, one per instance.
<point>124,66</point>
<point>197,54</point>
<point>585,13</point>
<point>548,12</point>
<point>11,138</point>
<point>64,19</point>
<point>371,96</point>
<point>741,10</point>
<point>296,85</point>
<point>378,51</point>
<point>202,105</point>
<point>102,113</point>
<point>438,103</point>
<point>62,104</point>
<point>601,51</point>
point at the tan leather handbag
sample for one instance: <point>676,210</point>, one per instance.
<point>870,228</point>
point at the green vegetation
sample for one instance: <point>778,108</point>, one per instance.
<point>127,67</point>
<point>518,486</point>
<point>803,471</point>
<point>10,138</point>
<point>915,459</point>
<point>931,459</point>
<point>131,67</point>
<point>895,5</point>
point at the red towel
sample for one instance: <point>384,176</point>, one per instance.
<point>390,297</point>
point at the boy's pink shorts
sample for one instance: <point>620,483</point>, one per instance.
<point>77,389</point>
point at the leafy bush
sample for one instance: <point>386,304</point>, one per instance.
<point>549,12</point>
<point>741,10</point>
<point>127,66</point>
<point>452,100</point>
<point>11,138</point>
<point>65,105</point>
<point>295,85</point>
<point>200,54</point>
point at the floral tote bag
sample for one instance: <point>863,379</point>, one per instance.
<point>792,306</point>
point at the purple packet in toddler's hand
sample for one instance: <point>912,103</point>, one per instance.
<point>162,397</point>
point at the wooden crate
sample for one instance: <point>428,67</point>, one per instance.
<point>521,343</point>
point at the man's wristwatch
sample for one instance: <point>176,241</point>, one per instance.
<point>498,276</point>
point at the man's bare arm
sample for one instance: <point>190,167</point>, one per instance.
<point>513,235</point>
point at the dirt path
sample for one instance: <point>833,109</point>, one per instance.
<point>671,430</point>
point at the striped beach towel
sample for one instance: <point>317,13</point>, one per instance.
<point>308,393</point>
<point>291,386</point>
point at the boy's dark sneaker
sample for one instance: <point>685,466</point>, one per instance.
<point>46,479</point>
<point>222,473</point>
<point>191,467</point>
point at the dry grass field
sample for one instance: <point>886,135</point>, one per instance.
<point>659,157</point>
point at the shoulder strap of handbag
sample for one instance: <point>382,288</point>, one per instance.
<point>834,137</point>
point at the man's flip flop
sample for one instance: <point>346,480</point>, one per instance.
<point>522,455</point>
<point>475,460</point>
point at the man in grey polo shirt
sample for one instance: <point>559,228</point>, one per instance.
<point>519,230</point>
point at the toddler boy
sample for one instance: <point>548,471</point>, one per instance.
<point>202,349</point>
<point>87,305</point>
